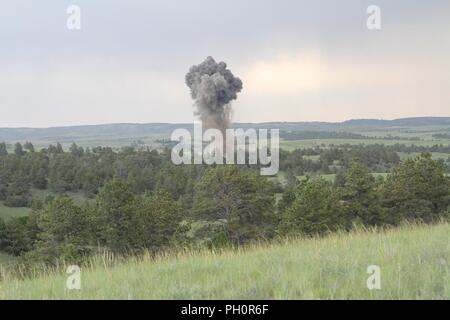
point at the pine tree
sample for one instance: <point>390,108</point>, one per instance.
<point>3,150</point>
<point>360,196</point>
<point>237,202</point>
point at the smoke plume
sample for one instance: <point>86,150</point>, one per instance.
<point>213,87</point>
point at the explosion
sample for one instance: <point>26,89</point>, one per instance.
<point>213,87</point>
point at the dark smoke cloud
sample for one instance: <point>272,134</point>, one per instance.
<point>213,87</point>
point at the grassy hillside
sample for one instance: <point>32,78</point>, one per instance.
<point>414,262</point>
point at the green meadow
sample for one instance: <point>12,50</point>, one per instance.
<point>8,212</point>
<point>414,262</point>
<point>330,177</point>
<point>290,145</point>
<point>11,212</point>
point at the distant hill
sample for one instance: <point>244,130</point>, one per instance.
<point>125,133</point>
<point>403,122</point>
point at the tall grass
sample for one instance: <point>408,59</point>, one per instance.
<point>414,262</point>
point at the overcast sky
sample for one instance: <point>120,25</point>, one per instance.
<point>298,60</point>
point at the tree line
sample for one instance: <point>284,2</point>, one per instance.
<point>85,170</point>
<point>161,206</point>
<point>308,135</point>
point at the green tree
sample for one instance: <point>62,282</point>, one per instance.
<point>18,149</point>
<point>417,189</point>
<point>114,215</point>
<point>287,197</point>
<point>64,232</point>
<point>237,203</point>
<point>2,234</point>
<point>28,146</point>
<point>316,209</point>
<point>360,196</point>
<point>40,179</point>
<point>18,193</point>
<point>3,191</point>
<point>3,150</point>
<point>59,148</point>
<point>15,238</point>
<point>76,151</point>
<point>157,222</point>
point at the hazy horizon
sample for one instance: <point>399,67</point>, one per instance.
<point>299,61</point>
<point>235,122</point>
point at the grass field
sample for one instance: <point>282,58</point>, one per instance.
<point>434,155</point>
<point>8,212</point>
<point>290,145</point>
<point>414,263</point>
<point>78,197</point>
<point>330,177</point>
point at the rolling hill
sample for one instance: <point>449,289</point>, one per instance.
<point>414,263</point>
<point>121,134</point>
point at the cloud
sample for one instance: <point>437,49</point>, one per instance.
<point>312,72</point>
<point>90,92</point>
<point>316,85</point>
<point>298,60</point>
